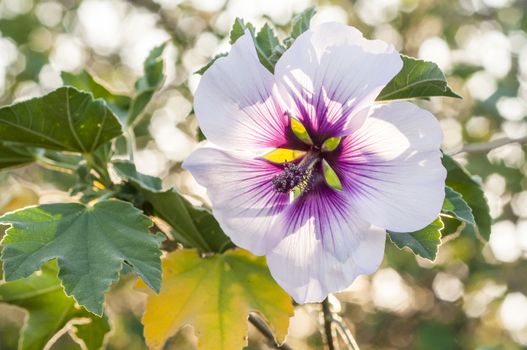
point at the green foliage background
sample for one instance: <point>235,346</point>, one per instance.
<point>455,303</point>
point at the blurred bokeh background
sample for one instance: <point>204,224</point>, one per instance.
<point>472,297</point>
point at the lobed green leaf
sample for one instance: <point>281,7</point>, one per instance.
<point>203,69</point>
<point>147,85</point>
<point>127,170</point>
<point>192,226</point>
<point>455,204</point>
<point>65,120</point>
<point>268,47</point>
<point>417,79</point>
<point>300,23</point>
<point>12,155</point>
<point>452,225</point>
<point>424,242</point>
<point>92,334</point>
<point>238,29</point>
<point>267,44</point>
<point>119,104</point>
<point>50,311</point>
<point>90,244</point>
<point>460,181</point>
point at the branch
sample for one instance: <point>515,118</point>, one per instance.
<point>328,324</point>
<point>264,329</point>
<point>477,148</point>
<point>343,331</point>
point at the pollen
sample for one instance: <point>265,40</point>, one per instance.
<point>293,177</point>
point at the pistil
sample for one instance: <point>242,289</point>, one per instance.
<point>296,176</point>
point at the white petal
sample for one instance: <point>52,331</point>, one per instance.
<point>333,75</point>
<point>234,101</point>
<point>308,272</point>
<point>242,195</point>
<point>330,217</point>
<point>391,168</point>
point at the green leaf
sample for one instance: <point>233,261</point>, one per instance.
<point>452,225</point>
<point>238,29</point>
<point>331,176</point>
<point>119,104</point>
<point>266,43</point>
<point>455,204</point>
<point>92,334</point>
<point>215,295</point>
<point>267,40</point>
<point>14,155</point>
<point>65,120</point>
<point>417,79</point>
<point>423,242</point>
<point>192,226</point>
<point>203,69</point>
<point>128,171</point>
<point>460,181</point>
<point>300,23</point>
<point>49,311</point>
<point>90,243</point>
<point>268,47</point>
<point>147,85</point>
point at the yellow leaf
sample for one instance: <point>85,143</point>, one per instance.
<point>282,155</point>
<point>215,296</point>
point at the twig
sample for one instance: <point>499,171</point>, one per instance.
<point>345,333</point>
<point>328,324</point>
<point>476,148</point>
<point>342,329</point>
<point>55,165</point>
<point>264,329</point>
<point>130,143</point>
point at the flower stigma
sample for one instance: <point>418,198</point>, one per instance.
<point>296,177</point>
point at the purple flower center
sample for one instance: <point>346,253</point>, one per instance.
<point>297,176</point>
<point>292,176</point>
<point>301,176</point>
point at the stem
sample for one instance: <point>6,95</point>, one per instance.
<point>264,329</point>
<point>328,327</point>
<point>476,148</point>
<point>48,163</point>
<point>345,333</point>
<point>106,196</point>
<point>104,176</point>
<point>130,143</point>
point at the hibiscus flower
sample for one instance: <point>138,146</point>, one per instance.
<point>304,167</point>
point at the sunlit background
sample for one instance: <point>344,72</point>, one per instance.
<point>472,297</point>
